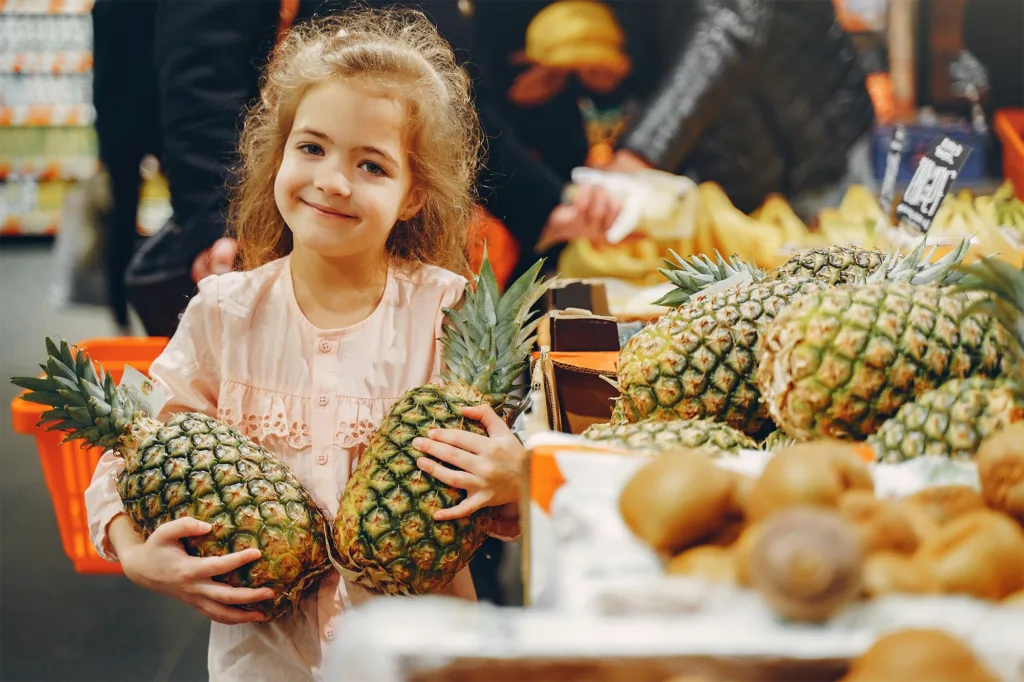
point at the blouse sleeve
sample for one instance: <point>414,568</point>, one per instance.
<point>188,372</point>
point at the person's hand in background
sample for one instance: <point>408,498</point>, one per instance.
<point>216,260</point>
<point>625,161</point>
<point>591,213</point>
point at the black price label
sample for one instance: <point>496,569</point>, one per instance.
<point>934,176</point>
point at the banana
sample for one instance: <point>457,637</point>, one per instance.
<point>736,232</point>
<point>843,231</point>
<point>860,205</point>
<point>704,226</point>
<point>776,211</point>
<point>1004,193</point>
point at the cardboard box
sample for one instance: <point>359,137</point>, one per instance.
<point>577,392</point>
<point>581,294</point>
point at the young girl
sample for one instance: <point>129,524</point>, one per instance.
<point>351,219</point>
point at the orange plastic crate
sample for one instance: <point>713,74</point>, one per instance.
<point>1009,126</point>
<point>68,468</point>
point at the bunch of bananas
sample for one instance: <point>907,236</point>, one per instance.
<point>995,222</point>
<point>773,232</point>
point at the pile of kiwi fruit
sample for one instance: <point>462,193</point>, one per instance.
<point>811,536</point>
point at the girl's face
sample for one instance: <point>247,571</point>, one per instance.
<point>344,179</point>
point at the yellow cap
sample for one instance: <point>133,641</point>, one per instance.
<point>576,34</point>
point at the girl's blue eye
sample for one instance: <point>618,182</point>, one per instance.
<point>371,167</point>
<point>310,148</point>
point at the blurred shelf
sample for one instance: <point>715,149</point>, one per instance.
<point>32,224</point>
<point>46,62</point>
<point>47,6</point>
<point>48,169</point>
<point>48,115</point>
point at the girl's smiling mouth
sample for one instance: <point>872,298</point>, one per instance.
<point>328,212</point>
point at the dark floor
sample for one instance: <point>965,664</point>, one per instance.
<point>57,625</point>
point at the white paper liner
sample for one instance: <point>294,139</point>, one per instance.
<point>385,639</point>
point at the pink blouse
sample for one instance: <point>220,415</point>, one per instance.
<point>245,353</point>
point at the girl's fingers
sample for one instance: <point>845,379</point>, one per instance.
<point>207,567</point>
<point>452,477</point>
<point>465,508</point>
<point>486,415</point>
<point>225,594</point>
<point>458,448</point>
<point>228,615</point>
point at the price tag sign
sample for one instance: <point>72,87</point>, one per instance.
<point>931,182</point>
<point>142,392</point>
<point>892,168</point>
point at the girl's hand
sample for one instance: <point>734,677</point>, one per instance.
<point>487,467</point>
<point>161,564</point>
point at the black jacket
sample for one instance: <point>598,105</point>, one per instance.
<point>758,95</point>
<point>208,57</point>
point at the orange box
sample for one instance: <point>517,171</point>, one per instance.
<point>68,468</point>
<point>1009,126</point>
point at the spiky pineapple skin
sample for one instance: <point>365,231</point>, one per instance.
<point>385,531</point>
<point>832,265</point>
<point>656,436</point>
<point>777,440</point>
<point>193,465</point>
<point>950,421</point>
<point>699,361</point>
<point>840,362</point>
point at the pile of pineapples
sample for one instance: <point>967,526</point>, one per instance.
<point>909,354</point>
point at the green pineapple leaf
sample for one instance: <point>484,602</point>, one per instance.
<point>692,276</point>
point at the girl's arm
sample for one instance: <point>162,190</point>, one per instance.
<point>461,587</point>
<point>187,372</point>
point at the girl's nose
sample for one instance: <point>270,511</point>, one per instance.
<point>332,182</point>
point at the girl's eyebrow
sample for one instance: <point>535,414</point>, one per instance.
<point>379,152</point>
<point>363,148</point>
<point>314,133</point>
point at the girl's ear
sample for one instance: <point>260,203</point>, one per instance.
<point>413,204</point>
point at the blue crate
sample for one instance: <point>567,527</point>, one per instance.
<point>916,144</point>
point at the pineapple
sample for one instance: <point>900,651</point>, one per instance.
<point>954,419</point>
<point>840,362</point>
<point>832,265</point>
<point>777,440</point>
<point>951,421</point>
<point>698,361</point>
<point>656,436</point>
<point>388,540</point>
<point>836,265</point>
<point>192,465</point>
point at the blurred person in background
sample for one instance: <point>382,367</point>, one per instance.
<point>991,31</point>
<point>760,96</point>
<point>208,57</point>
<point>127,129</point>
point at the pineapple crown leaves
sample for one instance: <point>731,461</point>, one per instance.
<point>86,404</point>
<point>916,267</point>
<point>1004,285</point>
<point>488,339</point>
<point>699,272</point>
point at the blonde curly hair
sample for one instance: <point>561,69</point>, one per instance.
<point>401,52</point>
